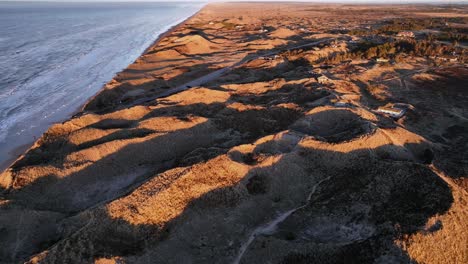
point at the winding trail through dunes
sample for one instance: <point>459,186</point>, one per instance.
<point>270,228</point>
<point>218,73</point>
<point>232,155</point>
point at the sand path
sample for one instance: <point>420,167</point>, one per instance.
<point>218,73</point>
<point>270,227</point>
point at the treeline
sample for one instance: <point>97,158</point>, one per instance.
<point>392,50</point>
<point>449,36</point>
<point>394,26</point>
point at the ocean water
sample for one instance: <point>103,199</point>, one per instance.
<point>54,56</point>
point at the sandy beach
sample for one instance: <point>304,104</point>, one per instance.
<point>241,136</point>
<point>51,67</point>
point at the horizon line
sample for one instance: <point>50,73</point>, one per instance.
<point>401,2</point>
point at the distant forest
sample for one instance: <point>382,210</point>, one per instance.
<point>396,50</point>
<point>448,32</point>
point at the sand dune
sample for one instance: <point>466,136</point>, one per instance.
<point>195,44</point>
<point>282,33</point>
<point>260,164</point>
<point>168,54</point>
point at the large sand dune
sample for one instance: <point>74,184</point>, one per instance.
<point>258,163</point>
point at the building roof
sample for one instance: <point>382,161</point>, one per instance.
<point>405,34</point>
<point>389,109</point>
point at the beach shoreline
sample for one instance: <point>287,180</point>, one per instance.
<point>161,36</point>
<point>18,152</point>
<point>257,132</point>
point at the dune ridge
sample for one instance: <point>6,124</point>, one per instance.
<point>263,162</point>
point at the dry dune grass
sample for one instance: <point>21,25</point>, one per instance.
<point>219,173</point>
<point>195,45</point>
<point>256,87</point>
<point>442,14</point>
<point>168,54</point>
<point>444,239</point>
<point>184,199</point>
<point>189,177</point>
<point>282,33</point>
<point>264,44</point>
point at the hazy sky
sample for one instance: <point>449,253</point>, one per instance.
<point>317,1</point>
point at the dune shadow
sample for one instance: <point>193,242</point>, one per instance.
<point>119,97</point>
<point>361,201</point>
<point>349,218</point>
<point>412,193</point>
<point>106,175</point>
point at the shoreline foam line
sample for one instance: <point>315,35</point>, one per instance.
<point>18,152</point>
<point>164,33</point>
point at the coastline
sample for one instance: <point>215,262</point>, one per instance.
<point>18,152</point>
<point>161,36</point>
<point>240,136</point>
